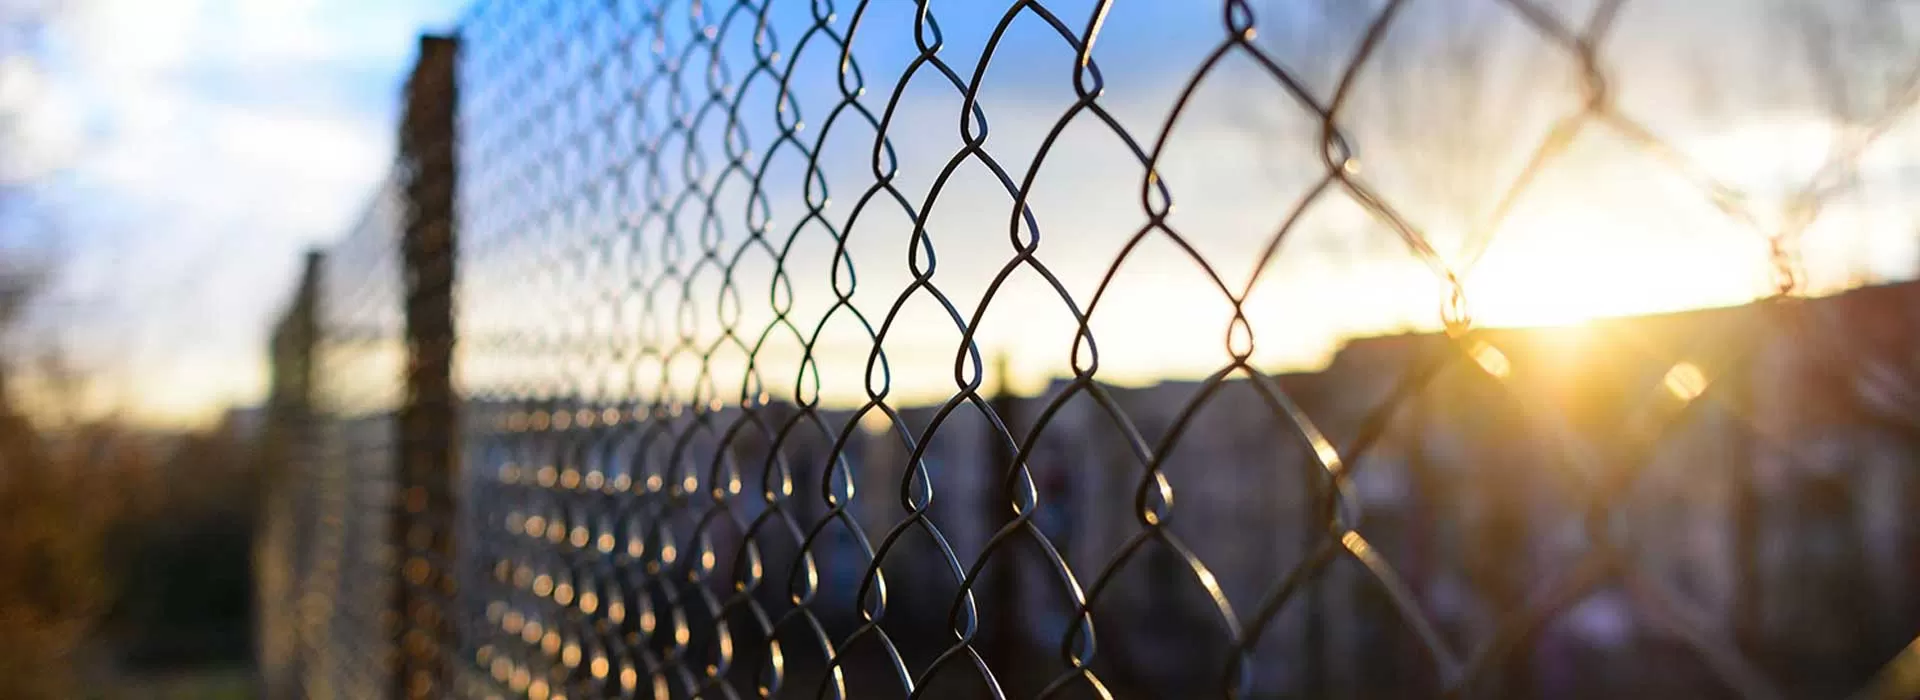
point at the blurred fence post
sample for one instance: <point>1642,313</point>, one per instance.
<point>999,634</point>
<point>423,523</point>
<point>288,420</point>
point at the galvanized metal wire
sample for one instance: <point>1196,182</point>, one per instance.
<point>339,363</point>
<point>692,464</point>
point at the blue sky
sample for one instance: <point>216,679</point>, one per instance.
<point>202,145</point>
<point>205,143</point>
<point>1607,230</point>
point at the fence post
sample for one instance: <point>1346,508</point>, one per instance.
<point>997,636</point>
<point>289,417</point>
<point>423,523</point>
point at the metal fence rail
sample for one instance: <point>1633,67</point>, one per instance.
<point>779,376</point>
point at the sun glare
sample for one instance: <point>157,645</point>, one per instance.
<point>1610,240</point>
<point>1491,359</point>
<point>1685,381</point>
<point>1566,271</point>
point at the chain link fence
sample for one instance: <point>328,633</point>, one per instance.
<point>355,546</point>
<point>328,565</point>
<point>1253,354</point>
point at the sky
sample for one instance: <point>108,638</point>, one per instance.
<point>202,145</point>
<point>1606,230</point>
<point>193,149</point>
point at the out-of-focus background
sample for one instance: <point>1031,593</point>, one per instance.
<point>1369,348</point>
<point>162,167</point>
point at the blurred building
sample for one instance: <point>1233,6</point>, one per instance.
<point>1752,463</point>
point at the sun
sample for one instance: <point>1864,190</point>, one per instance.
<point>1574,261</point>
<point>1613,235</point>
<point>1574,281</point>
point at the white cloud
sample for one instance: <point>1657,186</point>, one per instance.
<point>220,145</point>
<point>121,42</point>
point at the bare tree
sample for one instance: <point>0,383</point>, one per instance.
<point>26,243</point>
<point>57,491</point>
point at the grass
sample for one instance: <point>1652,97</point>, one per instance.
<point>226,683</point>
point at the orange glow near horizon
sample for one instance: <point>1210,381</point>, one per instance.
<point>1595,239</point>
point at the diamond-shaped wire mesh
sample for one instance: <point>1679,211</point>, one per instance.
<point>783,375</point>
<point>339,358</point>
